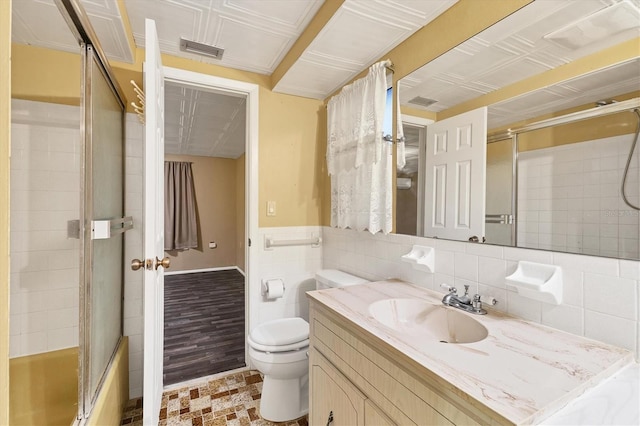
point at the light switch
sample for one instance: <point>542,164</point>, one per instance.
<point>271,208</point>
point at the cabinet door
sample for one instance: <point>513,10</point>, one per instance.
<point>334,400</point>
<point>374,417</point>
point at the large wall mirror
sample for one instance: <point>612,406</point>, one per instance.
<point>552,176</point>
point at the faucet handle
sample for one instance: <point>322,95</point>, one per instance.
<point>490,300</point>
<point>449,288</point>
<point>477,303</point>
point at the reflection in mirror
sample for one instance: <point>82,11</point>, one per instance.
<point>409,193</point>
<point>556,188</point>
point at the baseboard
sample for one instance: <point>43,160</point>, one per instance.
<point>194,271</point>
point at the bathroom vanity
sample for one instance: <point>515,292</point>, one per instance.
<point>366,369</point>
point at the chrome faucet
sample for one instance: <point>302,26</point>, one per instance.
<point>464,302</point>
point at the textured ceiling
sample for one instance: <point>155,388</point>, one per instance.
<point>357,35</point>
<point>523,45</point>
<point>257,34</point>
<point>204,123</point>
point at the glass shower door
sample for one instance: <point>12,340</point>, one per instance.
<point>500,227</point>
<point>103,233</point>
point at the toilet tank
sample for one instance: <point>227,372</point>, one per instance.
<point>332,278</point>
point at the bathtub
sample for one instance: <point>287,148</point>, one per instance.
<point>43,388</point>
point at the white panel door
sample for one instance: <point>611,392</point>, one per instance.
<point>153,226</point>
<point>455,176</point>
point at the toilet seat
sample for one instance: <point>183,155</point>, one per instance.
<point>284,348</point>
<point>280,335</point>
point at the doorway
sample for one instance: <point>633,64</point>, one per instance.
<point>232,99</point>
<point>204,293</point>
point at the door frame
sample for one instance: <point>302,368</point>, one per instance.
<point>422,123</point>
<point>251,91</point>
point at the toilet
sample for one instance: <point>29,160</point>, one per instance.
<point>279,350</point>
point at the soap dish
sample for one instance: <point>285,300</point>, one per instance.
<point>421,257</point>
<point>537,281</point>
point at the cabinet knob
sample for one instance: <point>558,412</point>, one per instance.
<point>330,418</point>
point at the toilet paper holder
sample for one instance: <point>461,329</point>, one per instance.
<point>264,287</point>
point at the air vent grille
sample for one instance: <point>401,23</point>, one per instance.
<point>201,48</point>
<point>423,102</point>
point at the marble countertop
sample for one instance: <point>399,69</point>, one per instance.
<point>616,401</point>
<point>522,371</point>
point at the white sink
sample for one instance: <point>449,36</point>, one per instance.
<point>426,320</point>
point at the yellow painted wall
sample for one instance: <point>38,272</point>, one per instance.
<point>5,143</point>
<point>290,146</point>
<point>46,75</point>
<point>288,129</point>
<point>44,388</point>
<point>114,394</point>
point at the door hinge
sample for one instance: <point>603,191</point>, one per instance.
<point>249,242</point>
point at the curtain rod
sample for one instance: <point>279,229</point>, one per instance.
<point>387,64</point>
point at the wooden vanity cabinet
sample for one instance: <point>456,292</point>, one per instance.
<point>363,382</point>
<point>336,401</point>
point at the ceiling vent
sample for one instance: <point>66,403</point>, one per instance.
<point>598,26</point>
<point>201,48</point>
<point>423,102</point>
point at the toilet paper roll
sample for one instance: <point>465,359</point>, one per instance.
<point>275,289</point>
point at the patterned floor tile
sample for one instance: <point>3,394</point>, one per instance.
<point>232,400</point>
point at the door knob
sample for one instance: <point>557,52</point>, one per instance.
<point>137,264</point>
<point>165,263</point>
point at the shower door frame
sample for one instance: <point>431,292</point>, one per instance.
<point>512,134</point>
<point>80,26</point>
<point>86,398</point>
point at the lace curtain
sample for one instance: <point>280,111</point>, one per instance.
<point>180,224</point>
<point>358,159</point>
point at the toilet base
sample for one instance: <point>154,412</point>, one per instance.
<point>278,401</point>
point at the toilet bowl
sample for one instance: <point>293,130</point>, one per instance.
<point>279,350</point>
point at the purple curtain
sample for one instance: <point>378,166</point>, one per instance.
<point>180,224</point>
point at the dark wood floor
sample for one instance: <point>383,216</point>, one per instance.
<point>203,324</point>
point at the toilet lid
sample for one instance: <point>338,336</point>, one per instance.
<point>281,332</point>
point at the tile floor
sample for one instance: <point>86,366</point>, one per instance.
<point>228,400</point>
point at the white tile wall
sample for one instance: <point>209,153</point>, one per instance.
<point>601,295</point>
<point>569,198</point>
<point>133,290</point>
<point>45,194</point>
<point>295,265</point>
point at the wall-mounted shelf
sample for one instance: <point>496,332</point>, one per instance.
<point>421,258</point>
<point>537,281</point>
